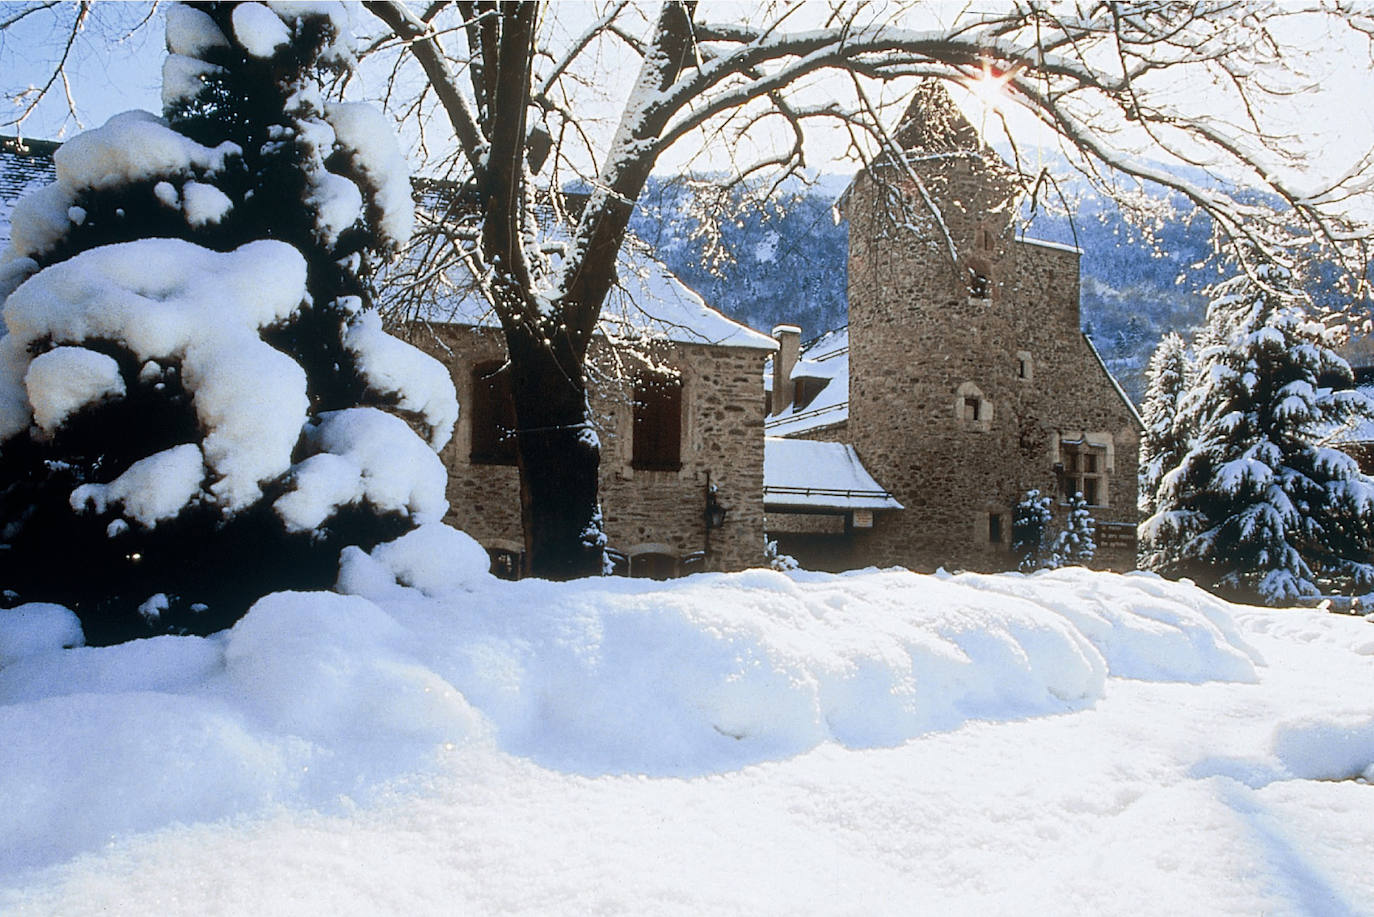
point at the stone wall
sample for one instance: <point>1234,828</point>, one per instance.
<point>644,511</point>
<point>1001,326</point>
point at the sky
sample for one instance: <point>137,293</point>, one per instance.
<point>111,72</point>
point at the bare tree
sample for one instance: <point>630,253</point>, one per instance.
<point>502,90</point>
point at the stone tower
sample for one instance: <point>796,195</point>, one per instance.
<point>970,381</point>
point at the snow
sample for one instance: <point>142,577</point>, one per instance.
<point>811,474</point>
<point>648,302</point>
<point>64,380</point>
<point>37,628</point>
<point>183,77</point>
<point>259,30</point>
<point>363,455</point>
<point>150,490</point>
<point>364,131</point>
<point>204,203</point>
<point>418,383</point>
<point>192,32</point>
<point>337,201</point>
<point>874,742</point>
<point>129,147</point>
<point>170,301</point>
<point>826,358</point>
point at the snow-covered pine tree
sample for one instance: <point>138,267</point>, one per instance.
<point>1257,508</point>
<point>1074,546</point>
<point>1165,440</point>
<point>1030,532</point>
<point>196,405</point>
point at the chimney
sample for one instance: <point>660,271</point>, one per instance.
<point>789,347</point>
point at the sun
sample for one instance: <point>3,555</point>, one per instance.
<point>990,86</point>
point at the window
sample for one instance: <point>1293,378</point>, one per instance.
<point>972,409</point>
<point>979,287</point>
<point>804,391</point>
<point>1085,472</point>
<point>493,415</point>
<point>1024,367</point>
<point>657,423</point>
<point>995,528</point>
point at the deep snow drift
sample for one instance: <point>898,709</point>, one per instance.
<point>431,740</point>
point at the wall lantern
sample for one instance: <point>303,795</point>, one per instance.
<point>714,513</point>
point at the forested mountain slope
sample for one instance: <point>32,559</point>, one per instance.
<point>784,260</point>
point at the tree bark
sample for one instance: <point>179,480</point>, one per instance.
<point>559,459</point>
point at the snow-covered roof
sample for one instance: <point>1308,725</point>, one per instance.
<point>23,167</point>
<point>826,358</point>
<point>648,300</point>
<point>806,474</point>
<point>1045,243</point>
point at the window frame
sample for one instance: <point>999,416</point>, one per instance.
<point>656,422</point>
<point>1074,475</point>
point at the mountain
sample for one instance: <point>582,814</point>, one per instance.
<point>764,262</point>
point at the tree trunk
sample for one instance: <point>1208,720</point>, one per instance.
<point>559,457</point>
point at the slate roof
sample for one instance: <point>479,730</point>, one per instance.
<point>24,165</point>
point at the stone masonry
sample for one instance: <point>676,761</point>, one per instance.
<point>645,512</point>
<point>970,381</point>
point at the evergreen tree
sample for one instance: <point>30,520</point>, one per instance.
<point>1165,440</point>
<point>1256,508</point>
<point>1075,546</point>
<point>1030,532</point>
<point>196,405</point>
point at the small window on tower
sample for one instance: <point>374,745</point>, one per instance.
<point>1024,366</point>
<point>979,287</point>
<point>972,409</point>
<point>995,528</point>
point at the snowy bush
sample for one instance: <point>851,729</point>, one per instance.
<point>1074,546</point>
<point>196,405</point>
<point>1255,506</point>
<point>1030,532</point>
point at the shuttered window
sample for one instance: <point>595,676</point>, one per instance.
<point>657,423</point>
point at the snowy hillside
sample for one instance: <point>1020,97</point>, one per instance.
<point>434,741</point>
<point>785,262</point>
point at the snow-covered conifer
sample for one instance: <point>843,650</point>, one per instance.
<point>196,404</point>
<point>1030,532</point>
<point>1074,546</point>
<point>1165,440</point>
<point>1257,507</point>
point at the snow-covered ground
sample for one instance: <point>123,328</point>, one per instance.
<point>432,741</point>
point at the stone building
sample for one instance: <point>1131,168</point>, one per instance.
<point>677,398</point>
<point>961,382</point>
